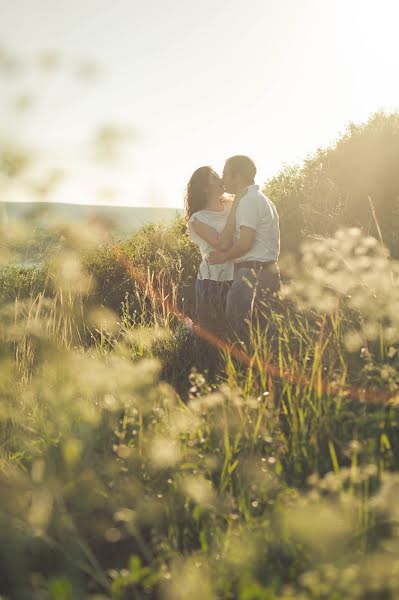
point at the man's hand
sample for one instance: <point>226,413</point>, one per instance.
<point>217,257</point>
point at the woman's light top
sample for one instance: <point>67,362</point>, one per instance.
<point>216,220</point>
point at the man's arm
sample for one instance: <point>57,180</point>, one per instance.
<point>227,235</point>
<point>241,247</point>
<point>247,218</point>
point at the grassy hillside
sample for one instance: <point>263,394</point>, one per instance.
<point>139,461</point>
<point>272,475</point>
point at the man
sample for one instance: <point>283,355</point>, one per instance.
<point>256,246</point>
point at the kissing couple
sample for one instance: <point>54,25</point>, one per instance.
<point>239,242</point>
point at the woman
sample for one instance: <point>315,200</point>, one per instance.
<point>211,221</point>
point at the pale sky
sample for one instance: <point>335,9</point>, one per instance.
<point>200,80</point>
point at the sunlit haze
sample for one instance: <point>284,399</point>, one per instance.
<point>202,80</point>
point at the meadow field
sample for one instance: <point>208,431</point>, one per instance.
<point>142,459</point>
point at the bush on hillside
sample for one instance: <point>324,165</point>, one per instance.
<point>169,253</point>
<point>163,262</point>
<point>18,281</point>
<point>334,187</point>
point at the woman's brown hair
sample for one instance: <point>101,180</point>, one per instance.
<point>196,192</point>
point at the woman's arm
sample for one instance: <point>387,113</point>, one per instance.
<point>224,239</point>
<point>206,232</point>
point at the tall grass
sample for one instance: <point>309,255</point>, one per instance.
<point>129,471</point>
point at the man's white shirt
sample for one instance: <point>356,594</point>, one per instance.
<point>257,211</point>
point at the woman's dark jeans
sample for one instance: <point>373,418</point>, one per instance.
<point>210,300</point>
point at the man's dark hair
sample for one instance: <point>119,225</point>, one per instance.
<point>242,165</point>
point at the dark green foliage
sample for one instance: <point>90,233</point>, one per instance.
<point>111,281</point>
<point>182,352</point>
<point>169,253</point>
<point>17,281</point>
<point>163,260</point>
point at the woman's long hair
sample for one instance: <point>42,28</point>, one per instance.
<point>196,192</point>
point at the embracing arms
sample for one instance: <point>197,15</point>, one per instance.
<point>241,247</point>
<point>220,241</point>
<point>247,219</point>
<point>206,232</point>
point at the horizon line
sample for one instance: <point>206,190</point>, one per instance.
<point>100,204</point>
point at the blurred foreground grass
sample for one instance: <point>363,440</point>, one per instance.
<point>137,461</point>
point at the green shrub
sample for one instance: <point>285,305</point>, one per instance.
<point>169,253</point>
<point>18,281</point>
<point>332,188</point>
<point>163,262</point>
